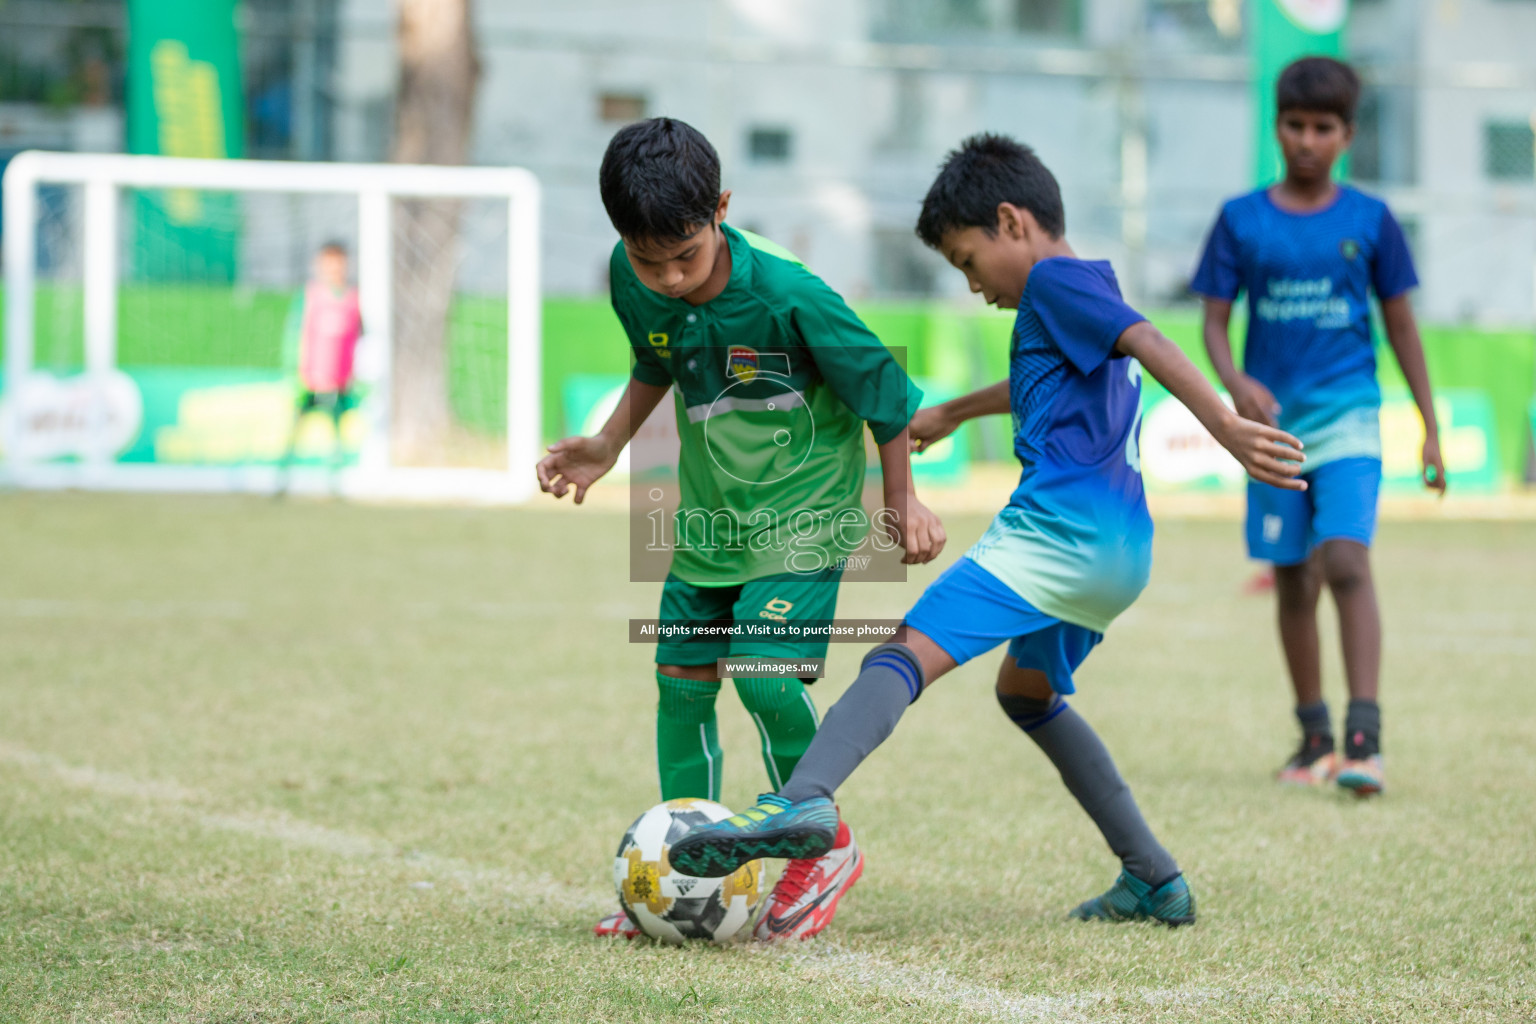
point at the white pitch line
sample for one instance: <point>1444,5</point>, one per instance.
<point>53,608</point>
<point>825,956</point>
<point>876,973</point>
<point>295,832</point>
<point>300,834</point>
<point>110,783</point>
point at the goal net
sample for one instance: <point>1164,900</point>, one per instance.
<point>159,313</point>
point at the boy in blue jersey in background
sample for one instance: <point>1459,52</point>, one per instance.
<point>1072,549</point>
<point>1309,252</point>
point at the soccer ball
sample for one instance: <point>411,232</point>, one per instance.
<point>667,904</point>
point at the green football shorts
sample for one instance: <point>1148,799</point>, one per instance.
<point>770,605</point>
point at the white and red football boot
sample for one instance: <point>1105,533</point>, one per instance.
<point>617,925</point>
<point>805,898</point>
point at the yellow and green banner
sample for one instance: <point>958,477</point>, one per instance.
<point>1282,31</point>
<point>184,99</point>
<point>1179,455</point>
<point>185,416</point>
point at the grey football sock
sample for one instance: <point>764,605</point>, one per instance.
<point>1090,774</point>
<point>1362,729</point>
<point>890,679</point>
<point>1314,720</point>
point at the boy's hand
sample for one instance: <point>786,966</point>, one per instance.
<point>1434,467</point>
<point>1254,401</point>
<point>1269,454</point>
<point>930,426</point>
<point>577,462</point>
<point>916,529</point>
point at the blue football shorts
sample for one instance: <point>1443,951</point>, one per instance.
<point>1284,527</point>
<point>967,611</point>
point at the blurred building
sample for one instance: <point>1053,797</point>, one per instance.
<point>831,116</point>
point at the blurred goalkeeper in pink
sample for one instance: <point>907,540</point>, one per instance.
<point>328,326</point>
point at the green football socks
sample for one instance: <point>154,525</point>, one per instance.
<point>687,743</point>
<point>786,722</point>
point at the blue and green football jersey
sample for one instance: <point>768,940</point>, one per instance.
<point>1075,541</point>
<point>1309,278</point>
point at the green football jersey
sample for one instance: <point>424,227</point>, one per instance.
<point>773,379</point>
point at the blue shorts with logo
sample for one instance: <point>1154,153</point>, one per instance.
<point>967,611</point>
<point>1339,504</point>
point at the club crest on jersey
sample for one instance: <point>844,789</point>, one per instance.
<point>741,363</point>
<point>659,344</point>
<point>1349,248</point>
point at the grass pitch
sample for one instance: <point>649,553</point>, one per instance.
<point>316,762</point>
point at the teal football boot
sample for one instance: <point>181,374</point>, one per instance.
<point>773,827</point>
<point>1131,899</point>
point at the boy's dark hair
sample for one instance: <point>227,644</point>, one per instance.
<point>334,246</point>
<point>986,170</point>
<point>660,180</point>
<point>1319,84</point>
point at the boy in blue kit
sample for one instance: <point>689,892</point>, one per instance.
<point>1071,550</point>
<point>1309,252</point>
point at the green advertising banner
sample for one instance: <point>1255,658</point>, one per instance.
<point>193,416</point>
<point>1282,31</point>
<point>184,99</point>
<point>1178,455</point>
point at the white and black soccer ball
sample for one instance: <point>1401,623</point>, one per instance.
<point>667,904</point>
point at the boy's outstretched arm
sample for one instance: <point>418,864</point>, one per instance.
<point>1269,454</point>
<point>1254,401</point>
<point>1403,334</point>
<point>931,425</point>
<point>580,462</point>
<point>917,530</point>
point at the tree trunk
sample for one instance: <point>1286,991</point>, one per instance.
<point>434,108</point>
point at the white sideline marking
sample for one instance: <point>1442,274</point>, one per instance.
<point>109,783</point>
<point>499,610</point>
<point>880,975</point>
<point>863,970</point>
<point>57,608</point>
<point>290,831</point>
<point>297,833</point>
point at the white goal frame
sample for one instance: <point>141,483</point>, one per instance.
<point>375,186</point>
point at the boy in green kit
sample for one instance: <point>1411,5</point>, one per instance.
<point>775,380</point>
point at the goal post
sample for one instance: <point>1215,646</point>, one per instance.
<point>72,423</point>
